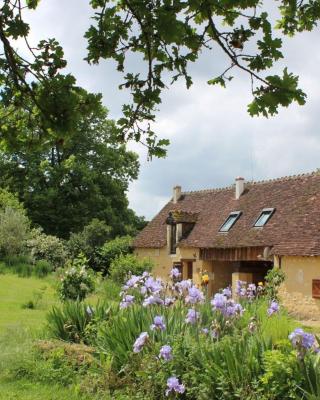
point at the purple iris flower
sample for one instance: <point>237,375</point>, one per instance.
<point>175,273</point>
<point>205,331</point>
<point>194,296</point>
<point>300,338</point>
<point>132,282</point>
<point>158,323</point>
<point>153,285</point>
<point>127,301</point>
<point>166,352</point>
<point>140,342</point>
<point>273,308</point>
<point>173,385</point>
<point>183,285</point>
<point>151,300</point>
<point>219,301</point>
<point>192,316</point>
<point>168,301</point>
<point>227,292</point>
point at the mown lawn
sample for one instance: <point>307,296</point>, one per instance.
<point>15,292</point>
<point>19,327</point>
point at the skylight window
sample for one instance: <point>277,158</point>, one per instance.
<point>264,217</point>
<point>230,221</point>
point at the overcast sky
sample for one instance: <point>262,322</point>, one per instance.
<point>213,139</point>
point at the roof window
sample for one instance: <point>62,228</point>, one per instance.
<point>264,217</point>
<point>230,221</point>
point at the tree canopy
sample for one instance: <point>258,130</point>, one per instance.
<point>85,176</point>
<point>169,35</point>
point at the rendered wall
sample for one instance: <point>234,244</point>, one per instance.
<point>296,292</point>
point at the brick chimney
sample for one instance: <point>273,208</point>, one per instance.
<point>176,194</point>
<point>239,187</point>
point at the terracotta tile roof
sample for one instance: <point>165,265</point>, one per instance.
<point>294,228</point>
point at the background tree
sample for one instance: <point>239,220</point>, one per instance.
<point>85,176</point>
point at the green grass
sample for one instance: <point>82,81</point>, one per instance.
<point>16,291</point>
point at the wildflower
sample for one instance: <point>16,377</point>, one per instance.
<point>173,385</point>
<point>251,291</point>
<point>166,352</point>
<point>205,331</point>
<point>140,342</point>
<point>175,273</point>
<point>240,288</point>
<point>273,308</point>
<point>192,316</point>
<point>89,311</point>
<point>194,296</point>
<point>252,326</point>
<point>183,285</point>
<point>260,284</point>
<point>132,282</point>
<point>152,285</point>
<point>227,292</point>
<point>205,279</point>
<point>151,300</point>
<point>127,301</point>
<point>158,323</point>
<point>219,301</point>
<point>300,338</point>
<point>168,301</point>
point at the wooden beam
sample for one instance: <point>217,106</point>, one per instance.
<point>232,254</point>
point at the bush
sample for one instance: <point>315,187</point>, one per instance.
<point>274,278</point>
<point>89,240</point>
<point>48,248</point>
<point>129,263</point>
<point>120,246</point>
<point>14,231</point>
<point>42,268</point>
<point>76,282</point>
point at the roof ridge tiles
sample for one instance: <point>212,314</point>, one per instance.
<point>261,182</point>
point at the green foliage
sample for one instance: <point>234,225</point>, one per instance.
<point>83,177</point>
<point>42,268</point>
<point>109,290</point>
<point>281,377</point>
<point>14,231</point>
<point>8,200</point>
<point>47,248</point>
<point>120,246</point>
<point>76,281</point>
<point>37,94</point>
<point>89,240</point>
<point>124,264</point>
<point>171,36</point>
<point>274,278</point>
<point>20,265</point>
<point>311,374</point>
<point>74,321</point>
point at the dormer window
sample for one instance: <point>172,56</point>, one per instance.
<point>264,217</point>
<point>230,221</point>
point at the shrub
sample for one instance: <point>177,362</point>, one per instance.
<point>124,264</point>
<point>9,200</point>
<point>89,240</point>
<point>76,282</point>
<point>42,268</point>
<point>14,230</point>
<point>48,248</point>
<point>119,246</point>
<point>274,278</point>
<point>281,375</point>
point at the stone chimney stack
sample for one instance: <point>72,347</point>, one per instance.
<point>239,187</point>
<point>176,194</point>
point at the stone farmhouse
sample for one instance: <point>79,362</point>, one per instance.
<point>239,233</point>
